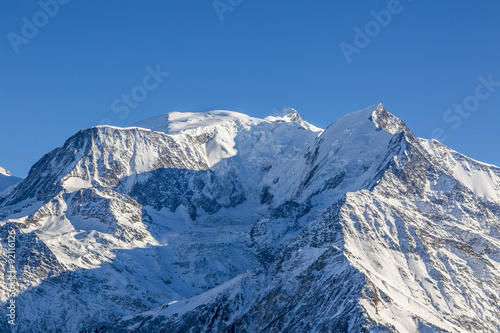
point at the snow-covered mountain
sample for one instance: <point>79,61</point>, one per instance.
<point>220,222</point>
<point>7,182</point>
<point>5,172</point>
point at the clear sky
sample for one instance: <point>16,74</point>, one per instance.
<point>72,66</point>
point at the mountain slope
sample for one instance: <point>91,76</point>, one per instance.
<point>388,257</point>
<point>7,182</point>
<point>218,221</point>
<point>131,212</point>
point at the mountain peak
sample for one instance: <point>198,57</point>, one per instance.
<point>240,223</point>
<point>7,182</point>
<point>176,122</point>
<point>5,172</point>
<point>387,121</point>
<point>286,114</point>
<point>289,115</point>
<point>365,118</point>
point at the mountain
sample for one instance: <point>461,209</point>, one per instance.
<point>221,222</point>
<point>7,182</point>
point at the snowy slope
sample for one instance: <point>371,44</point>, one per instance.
<point>133,200</point>
<point>289,115</point>
<point>7,182</point>
<point>394,256</point>
<point>481,178</point>
<point>221,222</point>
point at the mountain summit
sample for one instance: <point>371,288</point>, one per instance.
<point>222,222</point>
<point>291,115</point>
<point>7,182</point>
<point>5,172</point>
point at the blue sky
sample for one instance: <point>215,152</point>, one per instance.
<point>420,58</point>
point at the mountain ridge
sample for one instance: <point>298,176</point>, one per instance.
<point>218,221</point>
<point>7,182</point>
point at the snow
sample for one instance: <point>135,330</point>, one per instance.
<point>178,122</point>
<point>364,248</point>
<point>7,182</point>
<point>478,181</point>
<point>247,144</point>
<point>88,224</point>
<point>5,172</point>
<point>481,178</point>
<point>413,288</point>
<point>223,125</point>
<point>288,115</point>
<point>73,184</point>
